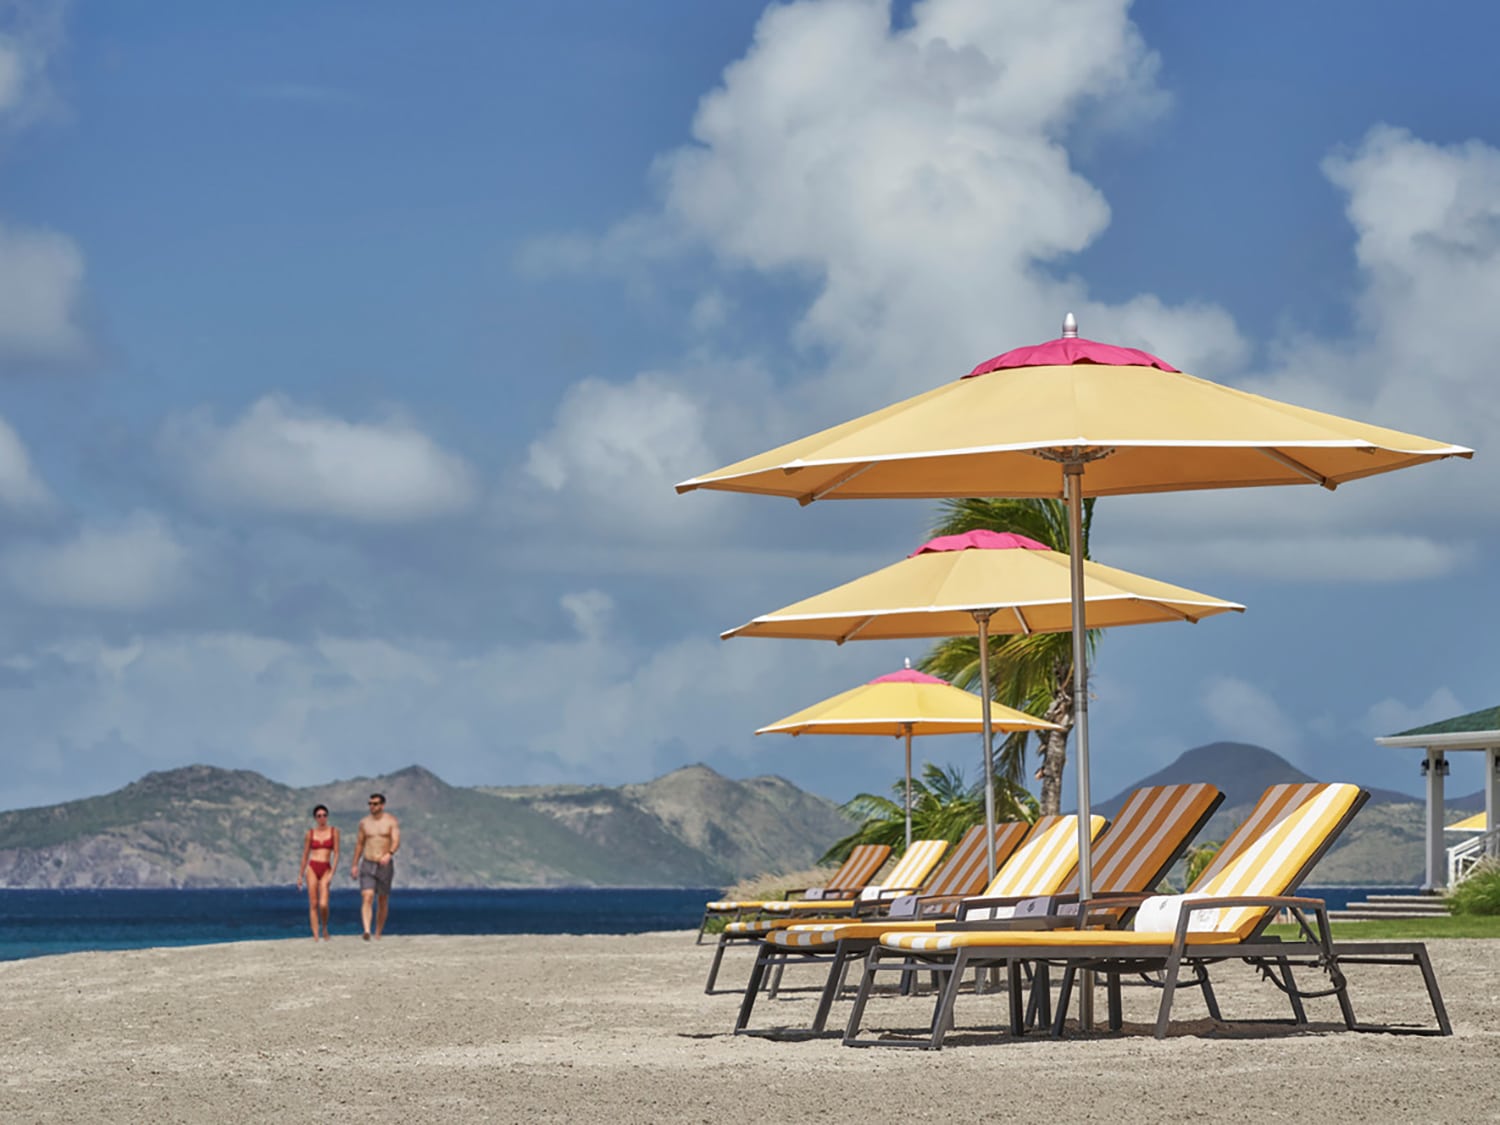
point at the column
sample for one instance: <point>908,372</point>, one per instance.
<point>1491,784</point>
<point>1437,855</point>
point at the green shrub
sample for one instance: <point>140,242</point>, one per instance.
<point>1200,856</point>
<point>1479,893</point>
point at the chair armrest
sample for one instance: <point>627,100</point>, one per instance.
<point>871,907</point>
<point>969,904</point>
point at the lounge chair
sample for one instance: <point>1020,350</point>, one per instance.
<point>850,878</point>
<point>1039,866</point>
<point>963,872</point>
<point>1224,920</point>
<point>1153,828</point>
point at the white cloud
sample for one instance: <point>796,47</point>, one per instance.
<point>917,180</point>
<point>1391,716</point>
<point>1245,713</point>
<point>338,706</point>
<point>279,457</point>
<point>918,176</point>
<point>1426,220</point>
<point>130,566</point>
<point>31,36</point>
<point>41,281</point>
<point>1312,557</point>
<point>20,487</point>
<point>616,450</point>
<point>591,611</point>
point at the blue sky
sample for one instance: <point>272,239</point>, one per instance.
<point>348,355</point>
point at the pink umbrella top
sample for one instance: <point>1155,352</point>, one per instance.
<point>979,540</point>
<point>907,676</point>
<point>1068,350</point>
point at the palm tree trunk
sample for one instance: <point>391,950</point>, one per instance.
<point>1055,742</point>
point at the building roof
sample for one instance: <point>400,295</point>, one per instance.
<point>1474,731</point>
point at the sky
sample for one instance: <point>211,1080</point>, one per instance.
<point>349,354</point>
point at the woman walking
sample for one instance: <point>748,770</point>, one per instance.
<point>320,855</point>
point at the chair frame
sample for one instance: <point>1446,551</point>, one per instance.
<point>1274,957</point>
<point>848,950</point>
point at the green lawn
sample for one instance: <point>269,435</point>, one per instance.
<point>1419,929</point>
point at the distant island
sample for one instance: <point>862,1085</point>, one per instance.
<point>201,826</point>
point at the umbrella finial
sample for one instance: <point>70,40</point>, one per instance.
<point>906,660</point>
<point>1070,326</point>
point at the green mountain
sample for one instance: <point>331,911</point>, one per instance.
<point>203,826</point>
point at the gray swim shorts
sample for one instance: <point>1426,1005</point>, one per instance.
<point>376,876</point>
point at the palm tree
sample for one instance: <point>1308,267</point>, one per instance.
<point>1031,673</point>
<point>942,808</point>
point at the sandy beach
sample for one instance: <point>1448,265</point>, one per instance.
<point>567,1028</point>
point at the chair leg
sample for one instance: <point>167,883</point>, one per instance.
<point>1299,1013</point>
<point>1209,998</point>
<point>1041,992</point>
<point>1013,976</point>
<point>942,1016</point>
<point>833,987</point>
<point>1168,988</point>
<point>866,981</point>
<point>1433,993</point>
<point>713,969</point>
<point>1112,991</point>
<point>1064,995</point>
<point>747,1004</point>
<point>776,980</point>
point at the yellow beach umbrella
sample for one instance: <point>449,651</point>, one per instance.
<point>935,591</point>
<point>1073,418</point>
<point>904,704</point>
<point>980,581</point>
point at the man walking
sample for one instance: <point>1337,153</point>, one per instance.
<point>375,863</point>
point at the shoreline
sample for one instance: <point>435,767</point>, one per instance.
<point>568,1027</point>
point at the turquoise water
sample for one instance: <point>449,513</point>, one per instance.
<point>38,923</point>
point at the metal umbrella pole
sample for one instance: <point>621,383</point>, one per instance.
<point>907,728</point>
<point>982,620</point>
<point>1073,478</point>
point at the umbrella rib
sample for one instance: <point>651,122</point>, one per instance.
<point>1026,629</point>
<point>854,632</point>
<point>1297,467</point>
<point>835,484</point>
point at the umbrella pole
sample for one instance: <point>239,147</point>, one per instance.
<point>982,619</point>
<point>907,727</point>
<point>1073,479</point>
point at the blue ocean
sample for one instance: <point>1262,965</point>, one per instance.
<point>39,923</point>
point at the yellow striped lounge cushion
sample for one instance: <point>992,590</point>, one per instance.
<point>910,871</point>
<point>1275,805</point>
<point>864,860</point>
<point>1270,864</point>
<point>963,872</point>
<point>1037,867</point>
<point>1041,864</point>
<point>1148,830</point>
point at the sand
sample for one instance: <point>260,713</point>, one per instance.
<point>578,1028</point>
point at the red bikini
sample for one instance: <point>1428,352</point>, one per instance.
<point>319,867</point>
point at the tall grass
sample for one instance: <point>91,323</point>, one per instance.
<point>1479,893</point>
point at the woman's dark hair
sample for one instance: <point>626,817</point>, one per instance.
<point>319,808</point>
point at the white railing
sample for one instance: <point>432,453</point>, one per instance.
<point>1464,857</point>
